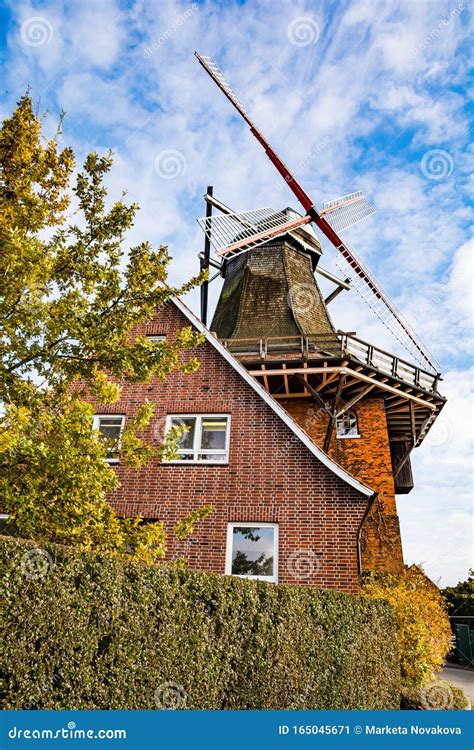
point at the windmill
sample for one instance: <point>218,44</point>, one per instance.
<point>234,233</point>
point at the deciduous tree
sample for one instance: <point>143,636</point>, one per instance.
<point>71,296</point>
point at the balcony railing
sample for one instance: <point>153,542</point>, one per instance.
<point>335,345</point>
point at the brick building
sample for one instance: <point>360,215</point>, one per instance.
<point>299,435</point>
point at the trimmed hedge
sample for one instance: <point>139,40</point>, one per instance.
<point>99,633</point>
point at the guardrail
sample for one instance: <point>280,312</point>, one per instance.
<point>336,345</point>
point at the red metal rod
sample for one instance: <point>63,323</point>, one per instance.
<point>291,181</point>
<point>302,196</point>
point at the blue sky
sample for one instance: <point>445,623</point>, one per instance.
<point>355,94</point>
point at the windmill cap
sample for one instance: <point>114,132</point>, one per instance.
<point>305,233</point>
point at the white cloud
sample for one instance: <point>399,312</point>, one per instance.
<point>443,470</point>
<point>370,83</point>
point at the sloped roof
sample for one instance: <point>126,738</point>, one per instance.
<point>273,404</point>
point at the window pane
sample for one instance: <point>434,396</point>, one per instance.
<point>110,427</point>
<point>347,424</point>
<point>212,457</point>
<point>154,338</point>
<point>213,432</point>
<point>187,441</point>
<point>252,550</point>
<point>185,457</point>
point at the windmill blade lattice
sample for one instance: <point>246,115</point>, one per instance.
<point>234,233</point>
<point>344,212</point>
<point>338,213</point>
<point>213,69</point>
<point>374,295</point>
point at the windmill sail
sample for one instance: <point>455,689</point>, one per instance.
<point>344,212</point>
<point>332,217</point>
<point>373,294</point>
<point>234,233</point>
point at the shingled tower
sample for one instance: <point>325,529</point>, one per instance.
<point>271,291</point>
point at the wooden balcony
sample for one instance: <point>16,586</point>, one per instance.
<point>339,345</point>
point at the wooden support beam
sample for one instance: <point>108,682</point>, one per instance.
<point>413,424</point>
<point>402,461</point>
<point>337,291</point>
<point>327,439</point>
<point>332,420</point>
<point>291,395</point>
<point>354,400</point>
<point>343,370</point>
<point>285,380</point>
<point>314,393</point>
<point>324,374</point>
<point>326,380</point>
<point>395,404</point>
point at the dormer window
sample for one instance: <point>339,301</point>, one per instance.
<point>346,425</point>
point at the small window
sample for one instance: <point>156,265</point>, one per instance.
<point>154,338</point>
<point>252,551</point>
<point>110,427</point>
<point>346,425</point>
<point>206,439</point>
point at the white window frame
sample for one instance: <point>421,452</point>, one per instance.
<point>154,338</point>
<point>197,431</point>
<point>96,426</point>
<point>352,436</point>
<point>229,549</point>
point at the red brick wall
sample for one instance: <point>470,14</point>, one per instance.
<point>271,477</point>
<point>368,458</point>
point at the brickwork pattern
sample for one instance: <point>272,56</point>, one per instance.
<point>367,458</point>
<point>271,476</point>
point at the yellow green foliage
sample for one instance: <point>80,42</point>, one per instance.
<point>423,626</point>
<point>54,480</point>
<point>71,296</point>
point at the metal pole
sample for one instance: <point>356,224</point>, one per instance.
<point>205,262</point>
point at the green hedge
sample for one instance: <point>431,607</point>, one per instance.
<point>90,632</point>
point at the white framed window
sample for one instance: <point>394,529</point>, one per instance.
<point>154,338</point>
<point>110,427</point>
<point>252,550</point>
<point>206,440</point>
<point>347,426</point>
